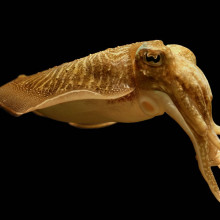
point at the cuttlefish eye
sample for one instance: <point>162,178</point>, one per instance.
<point>153,59</point>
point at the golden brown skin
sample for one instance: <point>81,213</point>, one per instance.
<point>130,83</point>
<point>107,73</point>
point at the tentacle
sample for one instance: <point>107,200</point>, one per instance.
<point>205,153</point>
<point>214,155</point>
<point>205,168</point>
<point>218,158</point>
<point>212,183</point>
<point>216,128</point>
<point>214,139</point>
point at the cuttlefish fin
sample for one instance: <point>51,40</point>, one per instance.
<point>91,126</point>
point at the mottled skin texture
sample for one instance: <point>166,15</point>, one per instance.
<point>125,84</point>
<point>107,73</point>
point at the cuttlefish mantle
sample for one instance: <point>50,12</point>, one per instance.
<point>130,83</point>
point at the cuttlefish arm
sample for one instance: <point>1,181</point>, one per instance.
<point>185,95</point>
<point>130,83</point>
<point>202,144</point>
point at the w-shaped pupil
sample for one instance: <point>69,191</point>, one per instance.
<point>151,58</point>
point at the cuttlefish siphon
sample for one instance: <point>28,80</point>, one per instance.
<point>129,83</point>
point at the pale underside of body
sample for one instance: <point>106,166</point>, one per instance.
<point>95,112</point>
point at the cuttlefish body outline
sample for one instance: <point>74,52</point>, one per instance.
<point>130,83</point>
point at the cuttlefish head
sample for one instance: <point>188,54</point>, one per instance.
<point>172,82</point>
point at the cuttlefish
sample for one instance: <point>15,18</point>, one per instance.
<point>130,83</point>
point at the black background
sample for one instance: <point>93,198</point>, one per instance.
<point>130,168</point>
